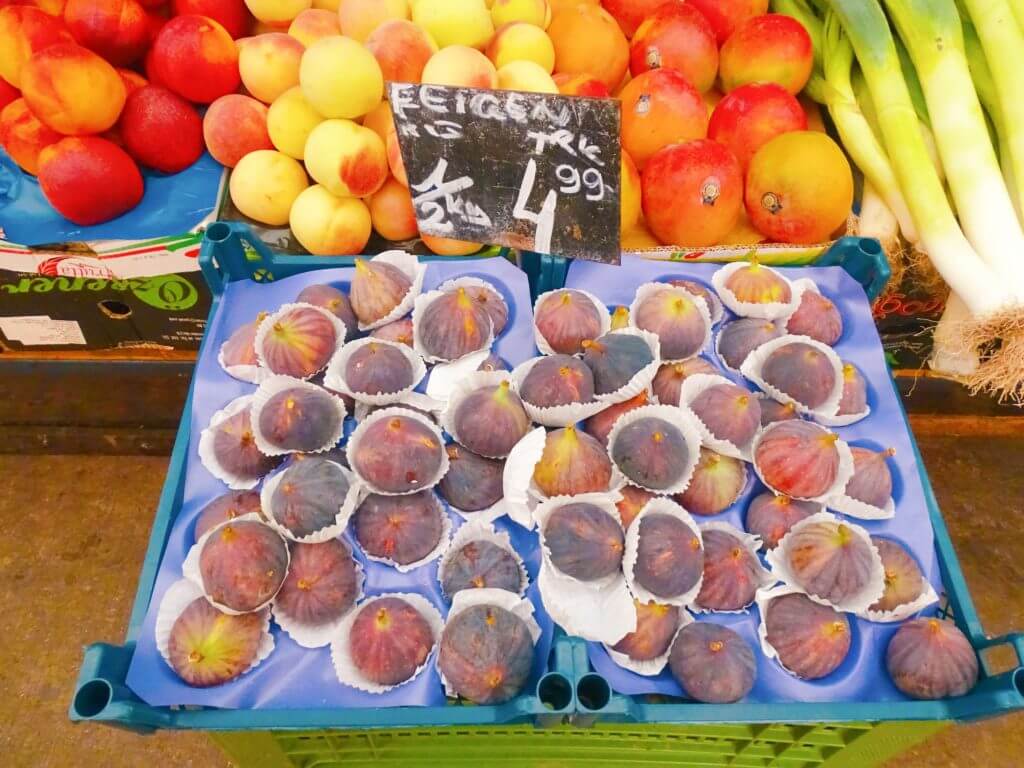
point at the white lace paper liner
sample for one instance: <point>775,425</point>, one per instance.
<point>752,544</point>
<point>677,418</point>
<point>439,549</point>
<point>769,311</point>
<point>691,388</point>
<point>190,566</point>
<point>927,597</point>
<point>517,477</point>
<point>462,389</point>
<point>604,615</point>
<point>411,267</point>
<point>476,282</point>
<point>179,596</point>
<point>843,472</point>
<point>345,668</point>
<point>415,400</point>
<point>641,379</point>
<point>271,386</point>
<point>714,306</point>
<point>602,310</point>
<point>423,301</point>
<point>335,379</point>
<point>355,495</point>
<point>649,667</point>
<point>659,505</point>
<point>445,376</point>
<point>554,416</point>
<point>721,358</point>
<point>646,290</point>
<point>354,439</point>
<point>268,323</point>
<point>866,596</point>
<point>209,458</point>
<point>500,598</point>
<point>251,374</point>
<point>802,285</point>
<point>762,601</point>
<point>481,530</point>
<point>318,635</point>
<point>845,419</point>
<point>755,361</point>
<point>851,507</point>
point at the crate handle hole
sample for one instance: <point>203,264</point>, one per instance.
<point>218,232</point>
<point>870,246</point>
<point>116,310</point>
<point>1018,680</point>
<point>554,691</point>
<point>92,698</point>
<point>593,692</point>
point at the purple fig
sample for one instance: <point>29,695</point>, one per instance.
<point>614,359</point>
<point>398,331</point>
<point>493,363</point>
<point>668,381</point>
<point>322,583</point>
<point>716,483</point>
<point>600,424</point>
<point>758,284</point>
<point>773,410</point>
<point>309,496</point>
<point>816,317</point>
<point>377,369</point>
<point>453,326</point>
<point>486,654</point>
<point>670,558</point>
<point>739,338</point>
<point>712,663</point>
<point>226,507</point>
<point>334,301</point>
<point>699,289</point>
<point>377,289</point>
<point>557,380</point>
<point>566,319</point>
<point>479,565</point>
<point>650,452</point>
<point>633,500</point>
<point>207,647</point>
<point>672,315</point>
<point>398,454</point>
<point>389,640</point>
<point>240,348</point>
<point>243,564</point>
<point>472,482</point>
<point>234,448</point>
<point>730,412</point>
<point>732,573</point>
<point>810,639</point>
<point>797,458</point>
<point>829,560</point>
<point>404,529</point>
<point>903,580</point>
<point>584,541</point>
<point>855,392</point>
<point>770,516</point>
<point>656,625</point>
<point>572,462</point>
<point>492,302</point>
<point>300,419</point>
<point>491,420</point>
<point>931,659</point>
<point>872,481</point>
<point>801,371</point>
<point>300,342</point>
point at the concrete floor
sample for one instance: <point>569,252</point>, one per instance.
<point>77,526</point>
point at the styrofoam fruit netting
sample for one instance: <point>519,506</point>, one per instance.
<point>650,667</point>
<point>554,416</point>
<point>341,658</point>
<point>604,317</point>
<point>844,471</point>
<point>335,377</point>
<point>439,549</point>
<point>647,290</point>
<point>691,388</point>
<point>753,367</point>
<point>675,417</point>
<point>348,505</point>
<point>642,379</point>
<point>481,530</point>
<point>752,544</point>
<point>767,311</point>
<point>273,385</point>
<point>420,306</point>
<point>386,413</point>
<point>468,385</point>
<point>207,456</point>
<point>411,267</point>
<point>658,506</point>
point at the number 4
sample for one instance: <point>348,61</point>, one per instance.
<point>545,220</point>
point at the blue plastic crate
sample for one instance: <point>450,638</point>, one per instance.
<point>570,690</point>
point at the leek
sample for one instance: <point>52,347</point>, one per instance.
<point>878,221</point>
<point>951,353</point>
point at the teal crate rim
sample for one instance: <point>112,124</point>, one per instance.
<point>100,693</point>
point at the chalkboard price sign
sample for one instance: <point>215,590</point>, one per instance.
<point>533,171</point>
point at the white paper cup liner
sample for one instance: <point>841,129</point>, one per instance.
<point>604,615</point>
<point>251,374</point>
<point>445,376</point>
<point>866,596</point>
<point>851,507</point>
<point>415,401</point>
<point>720,357</point>
<point>467,598</point>
<point>844,419</point>
<point>763,601</point>
<point>545,509</point>
<point>423,301</point>
<point>335,379</point>
<point>190,566</point>
<point>659,505</point>
<point>462,389</point>
<point>345,668</point>
<point>481,530</point>
<point>558,415</point>
<point>641,379</point>
<point>271,386</point>
<point>927,597</point>
<point>517,477</point>
<point>475,282</point>
<point>386,413</point>
<point>411,267</point>
<point>676,417</point>
<point>268,323</point>
<point>646,290</point>
<point>179,596</point>
<point>755,361</point>
<point>317,635</point>
<point>843,473</point>
<point>605,316</point>
<point>770,311</point>
<point>209,459</point>
<point>439,549</point>
<point>691,388</point>
<point>355,494</point>
<point>649,667</point>
<point>752,544</point>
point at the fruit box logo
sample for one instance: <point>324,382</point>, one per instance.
<point>171,293</point>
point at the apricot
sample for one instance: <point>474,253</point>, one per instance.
<point>264,185</point>
<point>269,64</point>
<point>346,158</point>
<point>535,12</point>
<point>525,76</point>
<point>161,130</point>
<point>460,65</point>
<point>196,58</point>
<point>402,50</point>
<point>446,246</point>
<point>340,78</point>
<point>659,108</point>
<point>328,225</point>
<point>290,120</point>
<point>277,11</point>
<point>234,126</point>
<point>521,41</point>
<point>455,22</point>
<point>394,155</point>
<point>230,14</point>
<point>587,39</point>
<point>379,120</point>
<point>392,213</point>
<point>89,180</point>
<point>118,30</point>
<point>359,18</point>
<point>773,48</point>
<point>72,90</point>
<point>581,85</point>
<point>23,136</point>
<point>23,31</point>
<point>629,196</point>
<point>314,24</point>
<point>726,15</point>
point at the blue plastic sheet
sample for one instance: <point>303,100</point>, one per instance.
<point>293,676</point>
<point>171,205</point>
<point>862,676</point>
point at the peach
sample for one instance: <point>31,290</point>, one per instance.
<point>629,13</point>
<point>118,30</point>
<point>460,65</point>
<point>726,15</point>
<point>89,180</point>
<point>402,49</point>
<point>234,126</point>
<point>359,18</point>
<point>340,78</point>
<point>392,213</point>
<point>132,80</point>
<point>347,159</point>
<point>676,36</point>
<point>587,39</point>
<point>659,108</point>
<point>230,14</point>
<point>629,212</point>
<point>161,130</point>
<point>394,155</point>
<point>23,136</point>
<point>23,31</point>
<point>195,57</point>
<point>455,22</point>
<point>711,99</point>
<point>72,90</point>
<point>536,12</point>
<point>328,225</point>
<point>265,27</point>
<point>379,120</point>
<point>521,41</point>
<point>581,85</point>
<point>51,7</point>
<point>314,24</point>
<point>264,185</point>
<point>269,64</point>
<point>277,11</point>
<point>525,76</point>
<point>768,49</point>
<point>8,93</point>
<point>446,246</point>
<point>290,121</point>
